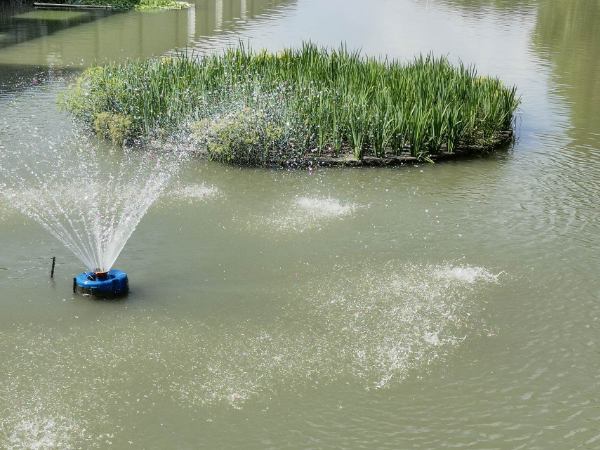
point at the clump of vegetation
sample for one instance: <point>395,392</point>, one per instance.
<point>129,4</point>
<point>115,127</point>
<point>250,136</point>
<point>335,101</point>
<point>161,4</point>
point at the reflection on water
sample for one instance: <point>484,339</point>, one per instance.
<point>507,8</point>
<point>568,35</point>
<point>21,24</point>
<point>86,38</point>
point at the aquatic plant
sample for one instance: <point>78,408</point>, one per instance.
<point>333,100</point>
<point>247,137</point>
<point>161,4</point>
<point>112,126</point>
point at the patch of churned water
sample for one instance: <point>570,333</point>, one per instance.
<point>197,192</point>
<point>48,398</point>
<point>369,327</point>
<point>323,207</point>
<point>39,433</point>
<point>308,212</point>
<point>466,274</point>
<point>6,210</point>
<point>398,319</point>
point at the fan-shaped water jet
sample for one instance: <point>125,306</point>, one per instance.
<point>89,195</point>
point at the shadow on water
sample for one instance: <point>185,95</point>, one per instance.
<point>21,22</point>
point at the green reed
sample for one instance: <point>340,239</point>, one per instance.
<point>338,99</point>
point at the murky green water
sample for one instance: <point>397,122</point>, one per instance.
<point>448,305</point>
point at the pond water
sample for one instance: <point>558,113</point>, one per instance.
<point>447,305</point>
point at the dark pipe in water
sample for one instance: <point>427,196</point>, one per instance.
<point>53,264</point>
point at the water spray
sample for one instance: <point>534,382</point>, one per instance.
<point>89,196</point>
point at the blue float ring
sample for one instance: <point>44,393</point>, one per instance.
<point>114,283</point>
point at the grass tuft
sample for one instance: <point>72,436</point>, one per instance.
<point>301,102</point>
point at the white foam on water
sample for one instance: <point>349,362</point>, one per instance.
<point>307,212</point>
<point>323,207</point>
<point>370,327</point>
<point>400,319</point>
<point>432,338</point>
<point>56,386</point>
<point>6,209</point>
<point>198,192</point>
<point>39,433</point>
<point>466,274</point>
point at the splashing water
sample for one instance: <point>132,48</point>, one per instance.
<point>89,195</point>
<point>323,207</point>
<point>92,218</point>
<point>307,212</point>
<point>465,274</point>
<point>196,192</point>
<point>368,328</point>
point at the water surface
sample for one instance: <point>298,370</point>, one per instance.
<point>446,305</point>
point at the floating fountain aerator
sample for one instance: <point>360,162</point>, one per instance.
<point>111,283</point>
